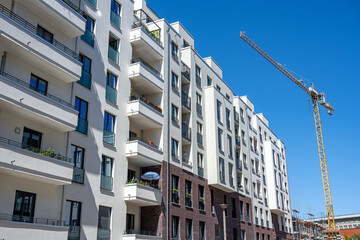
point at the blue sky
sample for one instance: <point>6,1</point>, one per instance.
<point>319,40</point>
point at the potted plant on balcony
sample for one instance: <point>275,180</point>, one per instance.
<point>175,190</point>
<point>151,143</point>
<point>201,199</point>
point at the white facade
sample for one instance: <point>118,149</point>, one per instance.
<point>94,94</point>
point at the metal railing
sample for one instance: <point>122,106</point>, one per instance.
<point>106,183</point>
<point>103,234</point>
<point>147,102</point>
<point>185,100</point>
<point>151,68</point>
<point>108,137</point>
<point>48,152</point>
<point>88,37</point>
<point>74,7</point>
<point>149,143</point>
<point>34,30</point>
<point>186,132</point>
<point>185,71</point>
<point>142,232</point>
<point>33,220</point>
<point>27,85</point>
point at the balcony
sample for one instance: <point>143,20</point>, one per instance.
<point>106,183</point>
<point>115,19</point>
<point>21,38</point>
<point>111,94</point>
<point>61,13</point>
<point>28,162</point>
<point>31,103</point>
<point>141,195</point>
<point>85,79</point>
<point>144,114</point>
<point>143,153</point>
<point>146,43</point>
<point>144,77</point>
<point>21,227</point>
<point>186,102</point>
<point>109,137</point>
<point>113,55</point>
<point>185,72</point>
<point>236,117</point>
<point>186,134</point>
<point>88,37</point>
<point>237,141</point>
<point>140,235</point>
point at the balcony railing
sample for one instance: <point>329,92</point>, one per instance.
<point>198,81</point>
<point>185,100</point>
<point>74,7</point>
<point>82,126</point>
<point>186,132</point>
<point>142,232</point>
<point>78,175</point>
<point>175,196</point>
<point>143,20</point>
<point>103,234</point>
<point>149,143</point>
<point>115,18</point>
<point>185,71</point>
<point>106,183</point>
<point>48,152</point>
<point>147,102</point>
<point>238,164</point>
<point>111,94</point>
<point>74,233</point>
<point>113,55</point>
<point>34,30</point>
<point>188,202</point>
<point>200,138</point>
<point>151,68</point>
<point>28,86</point>
<point>201,172</point>
<point>237,141</point>
<point>236,117</point>
<point>85,79</point>
<point>31,220</point>
<point>92,2</point>
<point>198,109</point>
<point>108,137</point>
<point>88,37</point>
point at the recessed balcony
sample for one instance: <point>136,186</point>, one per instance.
<point>144,114</point>
<point>143,153</point>
<point>185,102</point>
<point>145,78</point>
<point>61,13</point>
<point>25,161</point>
<point>185,73</point>
<point>19,97</point>
<point>22,38</point>
<point>141,195</point>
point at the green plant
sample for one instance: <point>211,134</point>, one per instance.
<point>201,199</point>
<point>188,194</point>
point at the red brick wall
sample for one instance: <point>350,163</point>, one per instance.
<point>349,232</point>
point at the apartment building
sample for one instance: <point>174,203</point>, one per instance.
<point>96,94</point>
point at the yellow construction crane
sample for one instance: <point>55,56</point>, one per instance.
<point>316,99</point>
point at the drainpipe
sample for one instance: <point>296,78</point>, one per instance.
<point>2,64</point>
<point>168,142</point>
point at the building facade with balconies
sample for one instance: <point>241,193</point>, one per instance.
<point>93,95</point>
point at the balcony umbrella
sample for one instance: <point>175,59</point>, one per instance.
<point>150,176</point>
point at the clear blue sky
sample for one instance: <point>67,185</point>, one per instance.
<point>319,40</point>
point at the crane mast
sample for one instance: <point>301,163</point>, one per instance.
<point>316,99</point>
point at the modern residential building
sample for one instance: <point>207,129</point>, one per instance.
<point>349,221</point>
<point>93,95</point>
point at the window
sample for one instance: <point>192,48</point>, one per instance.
<point>174,50</point>
<point>88,36</point>
<point>228,118</point>
<point>198,99</point>
<point>130,222</point>
<point>106,166</point>
<point>227,96</point>
<point>72,213</point>
<point>82,107</point>
<point>243,235</point>
<point>175,227</point>
<point>244,160</point>
<point>85,78</point>
<point>241,211</point>
<point>188,225</point>
<point>233,208</point>
<point>218,107</point>
<point>109,127</point>
<point>86,63</point>
<point>231,179</point>
<point>222,170</point>
<point>90,23</point>
<point>201,198</point>
<point>115,7</point>
<point>276,183</point>
<point>218,87</point>
<point>230,146</point>
<point>242,114</point>
<point>202,230</point>
<point>45,34</point>
<point>104,218</point>
<point>246,182</point>
<point>113,53</point>
<point>200,161</point>
<point>248,212</point>
<point>198,104</point>
<point>174,114</point>
<point>175,81</point>
<point>131,175</point>
<point>209,81</point>
<point>234,233</point>
<point>38,84</point>
<point>243,136</point>
<point>77,154</point>
<point>220,137</point>
<point>199,128</point>
<point>24,206</point>
<point>31,138</point>
<point>225,202</point>
<point>174,148</point>
<point>188,202</point>
<point>175,189</point>
<point>273,155</point>
<point>212,200</point>
<point>185,44</point>
<point>198,75</point>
